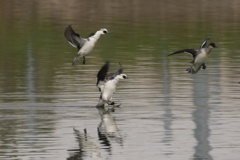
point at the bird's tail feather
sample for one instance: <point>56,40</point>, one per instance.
<point>75,59</point>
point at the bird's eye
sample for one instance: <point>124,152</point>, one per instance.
<point>105,32</point>
<point>124,77</point>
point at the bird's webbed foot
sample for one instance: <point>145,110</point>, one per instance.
<point>114,105</point>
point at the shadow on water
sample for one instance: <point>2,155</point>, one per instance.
<point>107,132</point>
<point>201,117</point>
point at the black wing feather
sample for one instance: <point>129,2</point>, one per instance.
<point>111,76</point>
<point>204,44</point>
<point>102,73</point>
<point>193,52</point>
<point>74,38</point>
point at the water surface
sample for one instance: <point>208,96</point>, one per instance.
<point>47,106</point>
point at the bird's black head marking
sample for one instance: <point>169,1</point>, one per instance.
<point>213,45</point>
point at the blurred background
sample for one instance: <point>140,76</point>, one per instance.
<point>175,115</point>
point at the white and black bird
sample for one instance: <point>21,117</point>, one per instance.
<point>199,55</point>
<point>83,45</point>
<point>107,82</point>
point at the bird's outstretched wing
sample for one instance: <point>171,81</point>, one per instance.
<point>193,52</point>
<point>111,76</point>
<point>102,73</point>
<point>205,42</point>
<point>74,38</point>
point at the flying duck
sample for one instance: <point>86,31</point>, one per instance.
<point>199,55</point>
<point>83,45</point>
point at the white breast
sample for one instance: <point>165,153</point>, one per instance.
<point>87,47</point>
<point>108,90</point>
<point>201,58</point>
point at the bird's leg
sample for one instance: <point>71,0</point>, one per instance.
<point>84,60</point>
<point>204,66</point>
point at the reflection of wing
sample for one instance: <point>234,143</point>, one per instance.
<point>193,52</point>
<point>102,74</point>
<point>74,38</point>
<point>104,139</point>
<point>85,146</point>
<point>205,42</point>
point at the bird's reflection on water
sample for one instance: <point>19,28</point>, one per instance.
<point>107,128</point>
<point>107,132</point>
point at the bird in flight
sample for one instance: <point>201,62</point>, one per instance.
<point>83,45</point>
<point>199,56</point>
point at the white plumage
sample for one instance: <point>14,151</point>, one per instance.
<point>106,83</point>
<point>84,45</point>
<point>199,56</point>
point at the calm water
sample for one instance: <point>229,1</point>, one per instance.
<point>47,106</point>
